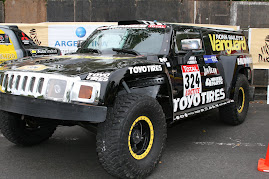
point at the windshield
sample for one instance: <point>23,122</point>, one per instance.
<point>142,40</point>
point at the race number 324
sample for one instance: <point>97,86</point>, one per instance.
<point>191,79</point>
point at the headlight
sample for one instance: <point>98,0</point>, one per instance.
<point>56,89</point>
<point>87,92</point>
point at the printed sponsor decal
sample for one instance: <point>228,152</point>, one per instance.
<point>214,81</point>
<point>145,69</point>
<point>225,42</point>
<point>168,64</point>
<point>157,26</point>
<point>181,116</point>
<point>24,39</point>
<point>162,60</point>
<point>33,36</point>
<point>45,51</point>
<point>32,67</point>
<point>191,79</point>
<point>192,60</point>
<point>7,56</point>
<point>210,70</point>
<point>193,100</point>
<point>4,39</point>
<point>98,76</point>
<point>210,59</point>
<point>244,61</point>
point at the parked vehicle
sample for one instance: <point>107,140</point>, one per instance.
<point>127,83</point>
<point>15,44</point>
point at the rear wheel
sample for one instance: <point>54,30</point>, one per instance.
<point>131,140</point>
<point>235,113</point>
<point>25,130</point>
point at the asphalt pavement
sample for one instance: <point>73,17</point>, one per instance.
<point>202,147</point>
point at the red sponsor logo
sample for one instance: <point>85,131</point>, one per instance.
<point>192,91</point>
<point>24,37</point>
<point>189,68</point>
<point>157,26</point>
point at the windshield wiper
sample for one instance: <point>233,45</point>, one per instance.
<point>124,50</point>
<point>91,50</point>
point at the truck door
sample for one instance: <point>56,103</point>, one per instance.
<point>196,79</point>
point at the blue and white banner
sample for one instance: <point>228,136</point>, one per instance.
<point>65,37</point>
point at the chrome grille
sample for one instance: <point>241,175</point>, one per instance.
<point>31,83</point>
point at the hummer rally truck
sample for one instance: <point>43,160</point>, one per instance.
<point>127,83</point>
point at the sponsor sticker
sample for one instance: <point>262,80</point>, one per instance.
<point>225,42</point>
<point>192,60</point>
<point>98,76</point>
<point>210,59</point>
<point>194,100</point>
<point>181,116</point>
<point>244,61</point>
<point>4,39</point>
<point>214,81</point>
<point>145,69</point>
<point>157,26</point>
<point>210,70</point>
<point>163,60</point>
<point>191,79</point>
<point>7,56</point>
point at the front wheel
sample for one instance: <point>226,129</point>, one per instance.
<point>235,113</point>
<point>25,130</point>
<point>131,140</point>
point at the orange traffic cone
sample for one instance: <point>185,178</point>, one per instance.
<point>263,164</point>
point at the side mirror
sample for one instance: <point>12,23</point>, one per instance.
<point>191,44</point>
<point>79,43</point>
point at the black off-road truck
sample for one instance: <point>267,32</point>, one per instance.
<point>127,83</point>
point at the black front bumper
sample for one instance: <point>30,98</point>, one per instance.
<point>51,109</point>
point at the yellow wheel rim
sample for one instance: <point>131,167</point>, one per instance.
<point>241,107</point>
<point>145,121</point>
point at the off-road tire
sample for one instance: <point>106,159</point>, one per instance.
<point>15,128</point>
<point>235,113</point>
<point>113,136</point>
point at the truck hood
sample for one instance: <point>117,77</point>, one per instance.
<point>75,64</point>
